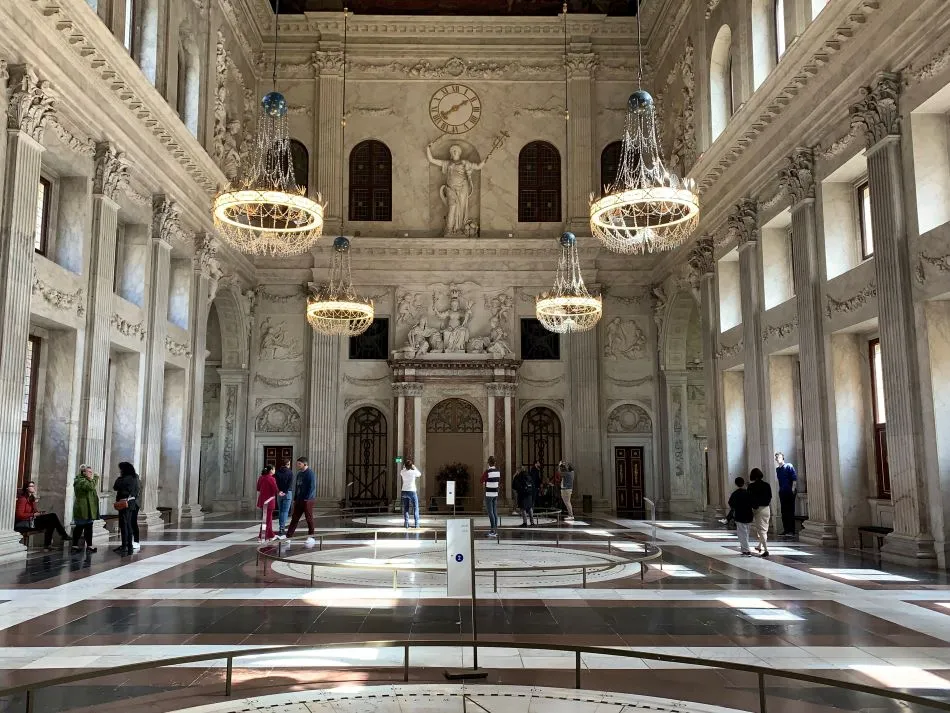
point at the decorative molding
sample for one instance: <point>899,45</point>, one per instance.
<point>624,340</point>
<point>941,262</point>
<point>66,301</point>
<point>165,217</point>
<point>262,293</point>
<point>581,65</point>
<point>501,388</point>
<point>206,256</point>
<point>278,418</point>
<point>407,388</point>
<point>839,145</point>
<point>779,332</point>
<point>629,418</point>
<point>798,175</point>
<point>355,381</point>
<point>177,349</point>
<point>230,428</point>
<point>541,382</point>
<point>456,68</point>
<point>128,329</point>
<point>743,222</point>
<point>701,260</point>
<point>852,304</point>
<point>277,382</point>
<point>30,102</point>
<point>327,62</point>
<point>711,5</point>
<point>629,383</point>
<point>374,111</point>
<point>877,113</point>
<point>931,69</point>
<point>727,352</point>
<point>83,146</point>
<point>112,171</point>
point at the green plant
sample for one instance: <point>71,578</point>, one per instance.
<point>457,472</point>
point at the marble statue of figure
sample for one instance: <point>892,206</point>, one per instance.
<point>624,341</point>
<point>455,325</point>
<point>275,344</point>
<point>458,187</point>
<point>419,336</point>
<point>498,339</point>
<point>230,150</point>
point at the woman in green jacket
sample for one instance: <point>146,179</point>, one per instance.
<point>85,507</point>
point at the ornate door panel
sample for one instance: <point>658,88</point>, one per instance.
<point>628,469</point>
<point>367,457</point>
<point>278,455</point>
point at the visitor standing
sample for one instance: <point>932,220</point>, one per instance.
<point>267,501</point>
<point>566,476</point>
<point>787,487</point>
<point>285,496</point>
<point>527,489</point>
<point>741,511</point>
<point>126,502</point>
<point>760,493</point>
<point>305,492</point>
<point>85,507</point>
<point>491,479</point>
<point>30,517</point>
<point>410,496</point>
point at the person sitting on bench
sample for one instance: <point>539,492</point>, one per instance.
<point>29,517</point>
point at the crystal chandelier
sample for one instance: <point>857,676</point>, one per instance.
<point>263,211</point>
<point>336,309</point>
<point>646,208</point>
<point>569,307</point>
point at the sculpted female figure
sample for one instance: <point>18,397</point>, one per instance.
<point>458,186</point>
<point>455,328</point>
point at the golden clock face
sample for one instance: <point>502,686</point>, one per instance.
<point>455,109</point>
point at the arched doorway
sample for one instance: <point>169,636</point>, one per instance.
<point>541,439</point>
<point>454,435</point>
<point>367,456</point>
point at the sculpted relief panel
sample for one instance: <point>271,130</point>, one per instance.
<point>629,418</point>
<point>276,343</point>
<point>278,418</point>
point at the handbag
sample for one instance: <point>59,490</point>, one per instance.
<point>120,504</point>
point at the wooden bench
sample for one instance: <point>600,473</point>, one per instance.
<point>877,532</point>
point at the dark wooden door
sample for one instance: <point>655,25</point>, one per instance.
<point>628,469</point>
<point>278,455</point>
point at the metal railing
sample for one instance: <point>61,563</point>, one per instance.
<point>761,672</point>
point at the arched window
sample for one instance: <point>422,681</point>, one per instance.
<point>539,183</point>
<point>609,163</point>
<point>367,456</point>
<point>720,82</point>
<point>189,82</point>
<point>541,439</point>
<point>778,14</point>
<point>764,40</point>
<point>371,181</point>
<point>145,37</point>
<point>300,158</point>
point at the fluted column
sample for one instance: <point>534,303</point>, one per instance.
<point>164,223</point>
<point>205,285</point>
<point>499,416</point>
<point>29,110</point>
<point>329,139</point>
<point>236,475</point>
<point>798,178</point>
<point>324,391</point>
<point>744,221</point>
<point>878,114</point>
<point>581,64</point>
<point>585,410</point>
<point>703,281</point>
<point>112,174</point>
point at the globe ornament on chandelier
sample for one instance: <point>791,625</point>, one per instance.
<point>647,208</point>
<point>569,307</point>
<point>264,211</point>
<point>336,310</point>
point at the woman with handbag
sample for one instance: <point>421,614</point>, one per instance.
<point>30,517</point>
<point>126,493</point>
<point>85,507</point>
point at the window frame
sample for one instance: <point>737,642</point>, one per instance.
<point>352,351</point>
<point>781,32</point>
<point>539,184</point>
<point>128,31</point>
<point>865,228</point>
<point>41,231</point>
<point>28,425</point>
<point>731,84</point>
<point>524,353</point>
<point>372,187</point>
<point>882,472</point>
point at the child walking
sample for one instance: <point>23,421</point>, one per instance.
<point>740,510</point>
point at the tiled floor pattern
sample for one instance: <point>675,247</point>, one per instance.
<point>202,591</point>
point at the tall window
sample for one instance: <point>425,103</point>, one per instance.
<point>863,197</point>
<point>731,81</point>
<point>720,82</point>
<point>371,182</point>
<point>539,183</point>
<point>28,409</point>
<point>373,343</point>
<point>182,83</point>
<point>300,158</point>
<point>609,163</point>
<point>128,31</point>
<point>537,343</point>
<point>778,9</point>
<point>880,419</point>
<point>44,196</point>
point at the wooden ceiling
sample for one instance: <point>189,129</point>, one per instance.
<point>458,7</point>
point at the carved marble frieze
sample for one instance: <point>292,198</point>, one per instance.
<point>278,382</point>
<point>278,417</point>
<point>132,330</point>
<point>624,340</point>
<point>407,388</point>
<point>60,299</point>
<point>781,331</point>
<point>629,383</point>
<point>834,306</point>
<point>276,344</point>
<point>940,262</point>
<point>629,418</point>
<point>264,294</point>
<point>457,68</point>
<point>366,381</point>
<point>177,349</point>
<point>729,351</point>
<point>541,383</point>
<point>230,430</point>
<point>930,69</point>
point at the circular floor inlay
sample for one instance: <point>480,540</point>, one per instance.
<point>439,520</point>
<point>456,698</point>
<point>358,565</point>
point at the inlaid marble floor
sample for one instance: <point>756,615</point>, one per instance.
<point>202,590</point>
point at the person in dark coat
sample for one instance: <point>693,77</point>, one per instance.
<point>127,490</point>
<point>527,485</point>
<point>760,493</point>
<point>305,492</point>
<point>741,512</point>
<point>285,497</point>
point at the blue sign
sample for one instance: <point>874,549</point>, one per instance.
<point>459,558</point>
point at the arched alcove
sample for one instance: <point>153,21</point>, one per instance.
<point>720,82</point>
<point>367,456</point>
<point>454,434</point>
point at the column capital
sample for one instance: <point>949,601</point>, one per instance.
<point>30,102</point>
<point>407,388</point>
<point>328,62</point>
<point>798,175</point>
<point>581,65</point>
<point>112,171</point>
<point>206,255</point>
<point>700,260</point>
<point>165,215</point>
<point>233,376</point>
<point>501,388</point>
<point>878,110</point>
<point>744,222</point>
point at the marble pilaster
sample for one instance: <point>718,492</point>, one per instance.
<point>329,138</point>
<point>878,114</point>
<point>324,392</point>
<point>680,490</point>
<point>164,217</point>
<point>585,410</point>
<point>808,275</point>
<point>29,109</point>
<point>581,64</point>
<point>235,473</point>
<point>500,395</point>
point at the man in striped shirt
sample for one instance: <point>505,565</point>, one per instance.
<point>491,479</point>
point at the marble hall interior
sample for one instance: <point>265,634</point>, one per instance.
<point>276,273</point>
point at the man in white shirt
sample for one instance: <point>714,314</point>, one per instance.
<point>410,497</point>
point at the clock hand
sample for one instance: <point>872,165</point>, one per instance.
<point>451,110</point>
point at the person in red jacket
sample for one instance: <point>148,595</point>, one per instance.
<point>267,501</point>
<point>30,517</point>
